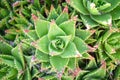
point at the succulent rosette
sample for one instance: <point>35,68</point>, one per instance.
<point>108,50</point>
<point>95,12</point>
<point>56,43</point>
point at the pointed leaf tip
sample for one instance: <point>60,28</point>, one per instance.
<point>65,10</point>
<point>75,18</point>
<point>51,8</point>
<point>34,17</point>
<point>68,1</point>
<point>26,31</point>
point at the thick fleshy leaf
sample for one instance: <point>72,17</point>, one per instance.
<point>27,75</point>
<point>116,13</point>
<point>7,60</point>
<point>53,14</point>
<point>99,73</point>
<point>41,56</point>
<point>41,27</point>
<point>83,34</point>
<point>58,63</point>
<point>71,51</point>
<point>92,64</point>
<point>5,47</point>
<point>55,31</point>
<point>81,74</point>
<point>78,5</point>
<point>31,34</point>
<point>104,6</point>
<point>92,9</point>
<point>80,45</point>
<point>63,17</point>
<point>18,54</point>
<point>109,48</point>
<point>68,27</point>
<point>72,63</point>
<point>106,35</point>
<point>88,22</point>
<point>67,78</point>
<point>42,44</point>
<point>104,19</point>
<point>114,4</point>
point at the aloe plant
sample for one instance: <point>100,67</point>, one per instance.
<point>55,41</point>
<point>95,12</point>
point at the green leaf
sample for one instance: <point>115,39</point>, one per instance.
<point>68,27</point>
<point>53,14</point>
<point>88,22</point>
<point>109,48</point>
<point>114,4</point>
<point>54,60</point>
<point>106,35</point>
<point>81,74</point>
<point>104,19</point>
<point>12,73</point>
<point>7,60</point>
<point>72,63</point>
<point>92,9</point>
<point>67,78</point>
<point>31,34</point>
<point>27,75</point>
<point>41,27</point>
<point>80,45</point>
<point>41,56</point>
<point>63,17</point>
<point>83,34</point>
<point>99,73</point>
<point>18,54</point>
<point>116,13</point>
<point>78,5</point>
<point>5,47</point>
<point>55,31</point>
<point>36,3</point>
<point>42,44</point>
<point>70,51</point>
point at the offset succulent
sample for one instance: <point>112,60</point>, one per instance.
<point>12,62</point>
<point>92,71</point>
<point>108,50</point>
<point>95,12</point>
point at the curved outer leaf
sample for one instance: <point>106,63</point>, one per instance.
<point>88,22</point>
<point>5,47</point>
<point>63,17</point>
<point>116,13</point>
<point>68,27</point>
<point>78,5</point>
<point>41,56</point>
<point>31,34</point>
<point>104,19</point>
<point>7,60</point>
<point>18,54</point>
<point>99,73</point>
<point>53,14</point>
<point>70,51</point>
<point>59,63</point>
<point>80,45</point>
<point>42,44</point>
<point>55,31</point>
<point>114,4</point>
<point>41,27</point>
<point>92,9</point>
